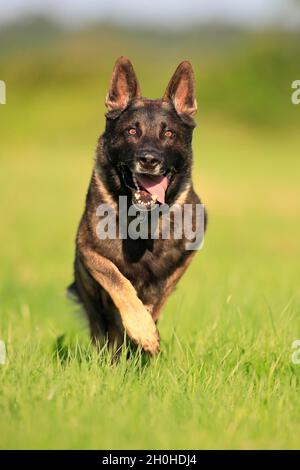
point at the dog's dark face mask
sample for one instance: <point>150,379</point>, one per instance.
<point>149,141</point>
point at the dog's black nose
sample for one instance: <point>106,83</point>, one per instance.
<point>149,160</point>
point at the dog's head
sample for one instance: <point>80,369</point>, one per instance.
<point>149,141</point>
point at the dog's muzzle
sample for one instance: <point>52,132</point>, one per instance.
<point>148,162</point>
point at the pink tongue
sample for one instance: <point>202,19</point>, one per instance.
<point>155,185</point>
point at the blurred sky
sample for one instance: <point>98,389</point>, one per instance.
<point>158,12</point>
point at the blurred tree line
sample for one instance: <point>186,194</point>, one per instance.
<point>242,74</point>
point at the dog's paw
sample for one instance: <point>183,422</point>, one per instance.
<point>142,330</point>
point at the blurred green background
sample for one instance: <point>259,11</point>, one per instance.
<point>225,377</point>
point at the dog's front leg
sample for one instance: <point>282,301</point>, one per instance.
<point>136,319</point>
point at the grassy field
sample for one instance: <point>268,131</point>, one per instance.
<point>224,378</point>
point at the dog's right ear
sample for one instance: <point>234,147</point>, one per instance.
<point>124,88</point>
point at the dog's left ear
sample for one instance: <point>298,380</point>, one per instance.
<point>181,92</point>
<point>124,88</point>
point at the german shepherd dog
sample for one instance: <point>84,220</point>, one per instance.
<point>145,154</point>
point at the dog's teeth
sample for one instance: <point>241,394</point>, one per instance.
<point>135,182</point>
<point>137,196</point>
<point>154,197</point>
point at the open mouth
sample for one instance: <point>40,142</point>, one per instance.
<point>147,190</point>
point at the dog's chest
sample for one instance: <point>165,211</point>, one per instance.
<point>148,265</point>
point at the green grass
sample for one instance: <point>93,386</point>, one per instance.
<point>224,378</point>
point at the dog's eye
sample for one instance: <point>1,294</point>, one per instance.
<point>132,131</point>
<point>169,134</point>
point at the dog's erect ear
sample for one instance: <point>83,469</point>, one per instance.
<point>181,92</point>
<point>124,88</point>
